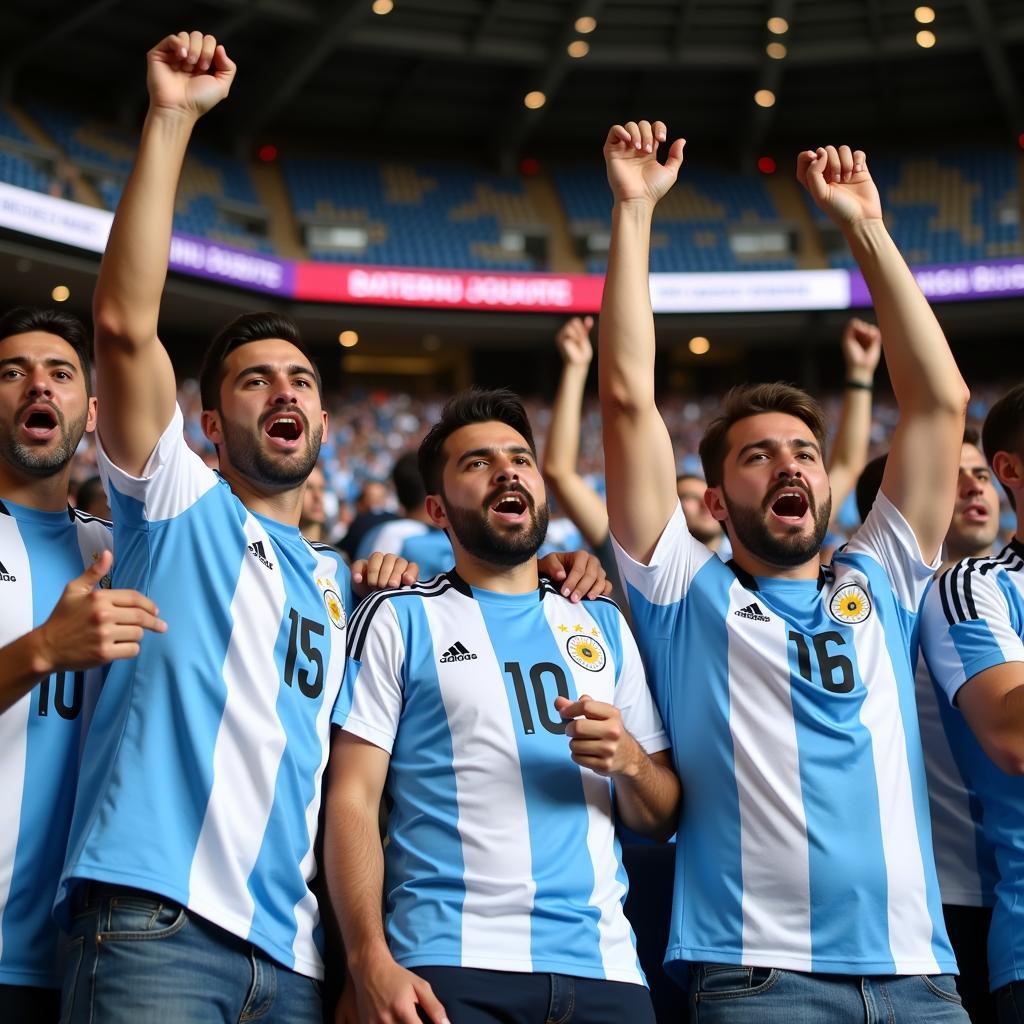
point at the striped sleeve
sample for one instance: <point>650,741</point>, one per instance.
<point>969,624</point>
<point>633,696</point>
<point>370,701</point>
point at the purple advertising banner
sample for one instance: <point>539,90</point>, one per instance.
<point>252,270</point>
<point>954,282</point>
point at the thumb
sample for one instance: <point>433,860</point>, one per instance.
<point>675,156</point>
<point>94,573</point>
<point>588,322</point>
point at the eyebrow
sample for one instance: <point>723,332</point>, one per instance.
<point>266,370</point>
<point>24,362</point>
<point>477,452</point>
<point>772,445</point>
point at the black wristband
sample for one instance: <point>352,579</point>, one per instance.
<point>860,385</point>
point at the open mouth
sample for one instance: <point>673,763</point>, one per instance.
<point>511,506</point>
<point>975,513</point>
<point>285,430</point>
<point>790,505</point>
<point>40,422</point>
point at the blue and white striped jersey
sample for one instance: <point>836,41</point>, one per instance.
<point>805,841</point>
<point>502,851</point>
<point>431,551</point>
<point>964,858</point>
<point>390,537</point>
<point>40,735</point>
<point>202,771</point>
<point>974,620</point>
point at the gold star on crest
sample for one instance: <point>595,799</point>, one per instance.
<point>595,632</point>
<point>578,628</point>
<point>563,629</point>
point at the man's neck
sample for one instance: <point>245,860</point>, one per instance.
<point>503,579</point>
<point>954,555</point>
<point>284,506</point>
<point>809,570</point>
<point>48,494</point>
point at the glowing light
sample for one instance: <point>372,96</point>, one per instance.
<point>764,98</point>
<point>586,25</point>
<point>578,48</point>
<point>924,15</point>
<point>348,339</point>
<point>777,51</point>
<point>926,39</point>
<point>766,165</point>
<point>778,26</point>
<point>267,153</point>
<point>529,166</point>
<point>61,293</point>
<point>699,346</point>
<point>383,7</point>
<point>534,100</point>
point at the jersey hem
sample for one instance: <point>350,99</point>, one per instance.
<point>655,744</point>
<point>234,926</point>
<point>1006,977</point>
<point>28,977</point>
<point>367,732</point>
<point>807,965</point>
<point>539,966</point>
<point>976,666</point>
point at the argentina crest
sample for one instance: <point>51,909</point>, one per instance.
<point>586,651</point>
<point>332,601</point>
<point>850,604</point>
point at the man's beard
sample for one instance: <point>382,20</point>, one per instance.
<point>785,552</point>
<point>38,461</point>
<point>283,471</point>
<point>475,533</point>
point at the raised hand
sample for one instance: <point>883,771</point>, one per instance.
<point>91,626</point>
<point>840,184</point>
<point>189,73</point>
<point>631,156</point>
<point>573,341</point>
<point>862,348</point>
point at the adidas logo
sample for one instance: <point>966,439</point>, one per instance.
<point>256,547</point>
<point>753,611</point>
<point>5,576</point>
<point>457,652</point>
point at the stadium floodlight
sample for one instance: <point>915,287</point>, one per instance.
<point>586,24</point>
<point>348,339</point>
<point>61,293</point>
<point>578,48</point>
<point>383,7</point>
<point>534,100</point>
<point>764,98</point>
<point>926,39</point>
<point>778,26</point>
<point>777,51</point>
<point>699,346</point>
<point>924,15</point>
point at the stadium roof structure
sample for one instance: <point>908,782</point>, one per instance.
<point>449,77</point>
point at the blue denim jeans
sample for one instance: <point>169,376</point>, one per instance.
<point>725,994</point>
<point>135,958</point>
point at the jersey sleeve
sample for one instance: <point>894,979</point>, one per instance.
<point>633,696</point>
<point>886,537</point>
<point>968,626</point>
<point>677,557</point>
<point>370,702</point>
<point>174,479</point>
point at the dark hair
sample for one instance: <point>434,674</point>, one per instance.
<point>751,400</point>
<point>473,406</point>
<point>689,476</point>
<point>405,474</point>
<point>243,329</point>
<point>24,319</point>
<point>1003,429</point>
<point>870,479</point>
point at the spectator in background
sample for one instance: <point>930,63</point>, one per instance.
<point>964,858</point>
<point>92,499</point>
<point>371,511</point>
<point>412,496</point>
<point>699,521</point>
<point>313,517</point>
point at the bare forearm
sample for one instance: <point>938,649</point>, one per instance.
<point>850,449</point>
<point>126,304</point>
<point>921,367</point>
<point>648,800</point>
<point>561,453</point>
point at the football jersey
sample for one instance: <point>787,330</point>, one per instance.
<point>805,841</point>
<point>390,537</point>
<point>964,858</point>
<point>973,621</point>
<point>431,551</point>
<point>202,770</point>
<point>502,853</point>
<point>40,735</point>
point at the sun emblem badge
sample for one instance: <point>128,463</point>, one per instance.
<point>850,604</point>
<point>586,652</point>
<point>332,602</point>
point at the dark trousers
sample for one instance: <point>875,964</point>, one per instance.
<point>472,996</point>
<point>968,934</point>
<point>24,1004</point>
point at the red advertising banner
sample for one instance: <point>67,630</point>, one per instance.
<point>405,286</point>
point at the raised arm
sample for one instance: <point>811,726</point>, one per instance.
<point>187,75</point>
<point>354,861</point>
<point>921,472</point>
<point>639,462</point>
<point>582,504</point>
<point>862,346</point>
